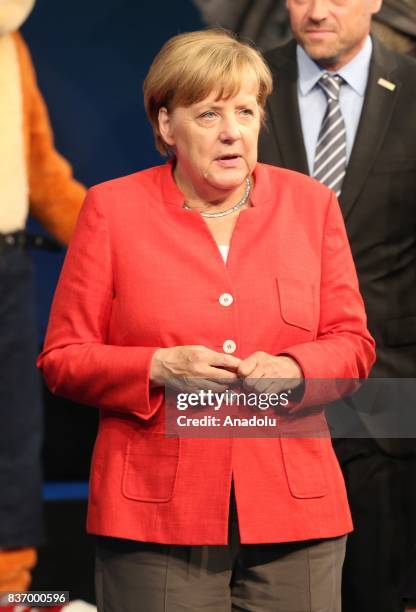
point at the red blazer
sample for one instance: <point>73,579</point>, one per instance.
<point>141,273</point>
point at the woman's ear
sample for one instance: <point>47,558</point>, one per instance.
<point>165,127</point>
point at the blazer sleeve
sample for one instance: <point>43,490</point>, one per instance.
<point>344,348</point>
<point>77,361</point>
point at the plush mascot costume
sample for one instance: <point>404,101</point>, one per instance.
<point>33,178</point>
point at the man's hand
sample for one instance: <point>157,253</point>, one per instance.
<point>264,373</point>
<point>192,368</point>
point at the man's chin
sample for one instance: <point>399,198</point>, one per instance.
<point>321,54</point>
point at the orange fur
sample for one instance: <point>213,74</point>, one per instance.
<point>55,196</point>
<point>15,566</point>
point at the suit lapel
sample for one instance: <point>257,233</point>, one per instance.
<point>283,109</point>
<point>377,110</point>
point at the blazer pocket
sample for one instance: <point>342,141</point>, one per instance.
<point>150,467</point>
<point>296,302</point>
<point>303,463</point>
<point>401,332</point>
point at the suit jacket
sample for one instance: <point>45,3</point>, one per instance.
<point>142,273</point>
<point>378,198</point>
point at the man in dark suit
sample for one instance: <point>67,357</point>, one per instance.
<point>368,156</point>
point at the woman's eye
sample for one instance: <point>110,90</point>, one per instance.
<point>247,112</point>
<point>207,115</point>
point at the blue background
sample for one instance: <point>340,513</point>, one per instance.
<point>91,58</point>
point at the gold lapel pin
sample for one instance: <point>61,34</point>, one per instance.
<point>387,84</point>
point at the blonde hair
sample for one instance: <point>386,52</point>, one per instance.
<point>190,66</point>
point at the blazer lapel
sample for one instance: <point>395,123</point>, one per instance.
<point>283,109</point>
<point>377,110</point>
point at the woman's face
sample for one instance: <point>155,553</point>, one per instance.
<point>215,140</point>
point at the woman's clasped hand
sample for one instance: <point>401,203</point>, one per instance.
<point>194,367</point>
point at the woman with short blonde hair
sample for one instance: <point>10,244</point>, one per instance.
<point>209,272</point>
<point>201,62</point>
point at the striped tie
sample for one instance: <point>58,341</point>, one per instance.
<point>331,150</point>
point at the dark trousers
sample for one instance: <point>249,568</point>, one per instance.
<point>20,405</point>
<point>290,577</point>
<point>379,554</point>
